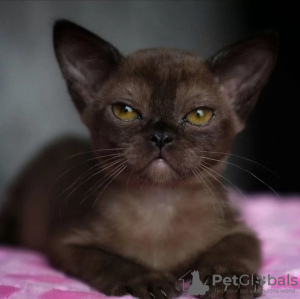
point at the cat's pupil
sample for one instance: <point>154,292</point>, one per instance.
<point>199,113</point>
<point>127,109</point>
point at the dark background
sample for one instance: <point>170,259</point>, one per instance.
<point>35,106</point>
<point>274,124</point>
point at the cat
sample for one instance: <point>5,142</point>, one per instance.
<point>142,203</point>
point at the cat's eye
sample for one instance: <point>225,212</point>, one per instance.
<point>200,116</point>
<point>125,112</point>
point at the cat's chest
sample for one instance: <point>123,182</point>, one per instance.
<point>162,234</point>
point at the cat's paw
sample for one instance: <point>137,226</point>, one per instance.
<point>149,286</point>
<point>228,283</point>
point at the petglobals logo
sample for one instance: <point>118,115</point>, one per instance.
<point>246,280</point>
<point>192,284</point>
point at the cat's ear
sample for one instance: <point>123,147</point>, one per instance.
<point>242,70</point>
<point>86,61</point>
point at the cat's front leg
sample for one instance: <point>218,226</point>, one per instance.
<point>112,274</point>
<point>228,268</point>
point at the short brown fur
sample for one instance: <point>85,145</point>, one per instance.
<point>140,232</point>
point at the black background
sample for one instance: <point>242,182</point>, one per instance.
<point>272,132</point>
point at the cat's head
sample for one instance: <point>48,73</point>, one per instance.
<point>168,113</point>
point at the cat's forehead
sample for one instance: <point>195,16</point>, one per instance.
<point>166,76</point>
<point>165,64</point>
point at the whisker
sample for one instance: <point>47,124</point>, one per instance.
<point>108,175</point>
<point>202,179</point>
<point>92,175</point>
<point>128,181</point>
<point>109,184</point>
<point>77,165</point>
<point>244,158</point>
<point>145,181</point>
<point>206,169</point>
<point>78,179</point>
<point>235,187</point>
<point>96,186</point>
<point>94,151</point>
<point>213,186</point>
<point>66,198</point>
<point>86,173</point>
<point>252,174</point>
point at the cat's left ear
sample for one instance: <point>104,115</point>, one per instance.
<point>85,59</point>
<point>243,69</point>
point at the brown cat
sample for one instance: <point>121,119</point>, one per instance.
<point>144,203</point>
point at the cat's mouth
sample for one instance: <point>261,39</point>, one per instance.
<point>159,170</point>
<point>160,164</point>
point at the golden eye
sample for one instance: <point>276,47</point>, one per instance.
<point>124,112</point>
<point>200,116</point>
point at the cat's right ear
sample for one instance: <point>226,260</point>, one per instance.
<point>243,69</point>
<point>85,59</point>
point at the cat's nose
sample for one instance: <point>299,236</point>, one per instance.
<point>161,139</point>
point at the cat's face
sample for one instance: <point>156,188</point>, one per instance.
<point>166,114</point>
<point>168,95</point>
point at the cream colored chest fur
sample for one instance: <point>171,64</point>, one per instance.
<point>162,232</point>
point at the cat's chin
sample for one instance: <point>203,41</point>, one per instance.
<point>159,171</point>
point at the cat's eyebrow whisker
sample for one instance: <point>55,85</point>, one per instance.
<point>235,187</point>
<point>252,174</point>
<point>104,179</point>
<point>200,165</point>
<point>244,158</point>
<point>114,177</point>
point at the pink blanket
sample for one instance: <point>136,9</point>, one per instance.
<point>26,274</point>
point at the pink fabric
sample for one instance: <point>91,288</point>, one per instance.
<point>27,275</point>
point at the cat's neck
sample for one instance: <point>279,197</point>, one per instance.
<point>169,220</point>
<point>165,199</point>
